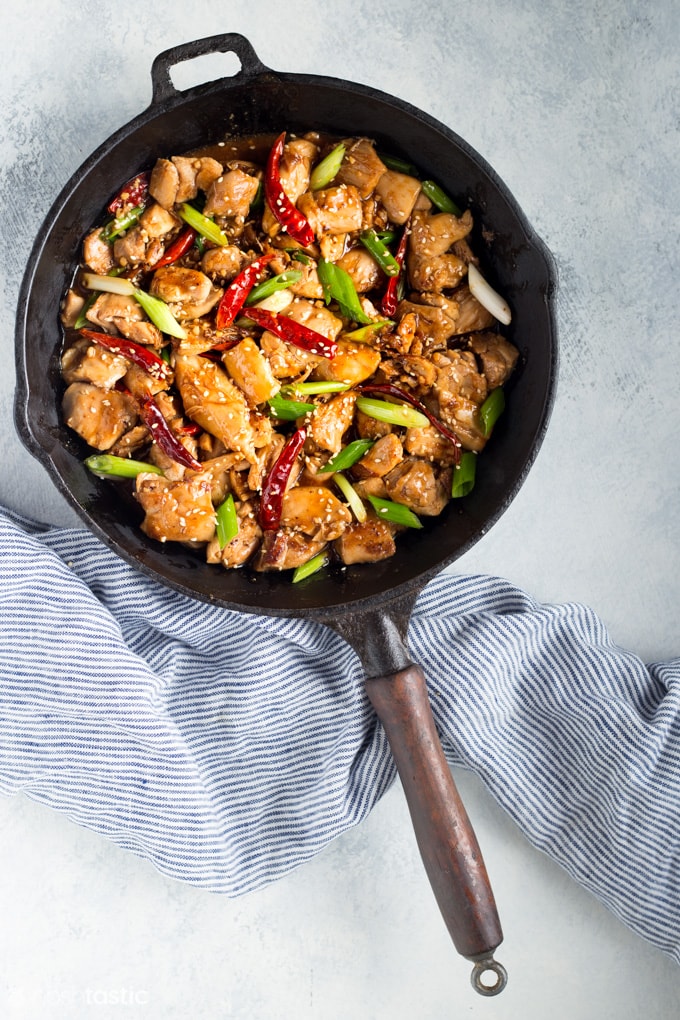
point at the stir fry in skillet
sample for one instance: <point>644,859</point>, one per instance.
<point>289,347</point>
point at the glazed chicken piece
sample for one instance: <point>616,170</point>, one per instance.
<point>244,544</point>
<point>309,285</point>
<point>434,234</point>
<point>251,371</point>
<point>132,248</point>
<point>434,325</point>
<point>333,210</point>
<point>316,317</point>
<point>223,263</point>
<point>330,421</point>
<point>287,361</point>
<point>428,443</point>
<point>361,167</point>
<point>99,416</point>
<point>231,194</point>
<point>497,355</point>
<point>295,170</point>
<point>362,268</point>
<point>381,458</point>
<point>285,549</point>
<point>88,362</point>
<point>157,221</point>
<point>398,193</point>
<point>460,390</point>
<point>97,254</point>
<point>215,403</point>
<point>435,272</point>
<point>352,364</point>
<point>179,179</point>
<point>189,292</point>
<point>176,511</point>
<point>415,484</point>
<point>471,315</point>
<point>314,510</point>
<point>366,542</point>
<point>116,312</point>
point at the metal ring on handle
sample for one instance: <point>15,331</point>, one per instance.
<point>486,966</point>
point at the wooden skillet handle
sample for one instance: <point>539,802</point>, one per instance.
<point>447,843</point>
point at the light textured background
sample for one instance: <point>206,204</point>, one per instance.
<point>577,108</point>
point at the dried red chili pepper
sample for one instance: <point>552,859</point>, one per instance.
<point>293,332</point>
<point>274,485</point>
<point>139,355</point>
<point>162,434</point>
<point>179,247</point>
<point>291,219</point>
<point>238,290</point>
<point>133,192</point>
<point>395,391</point>
<point>390,299</point>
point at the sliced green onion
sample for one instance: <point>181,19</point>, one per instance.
<point>393,414</point>
<point>324,172</point>
<point>289,410</point>
<point>492,409</point>
<point>386,236</point>
<point>206,227</point>
<point>395,512</point>
<point>337,285</point>
<point>227,521</point>
<point>439,198</point>
<point>310,567</point>
<point>157,310</point>
<point>323,386</point>
<point>380,252</point>
<point>464,475</point>
<point>487,296</point>
<point>118,226</point>
<point>401,165</point>
<point>348,456</point>
<point>258,198</point>
<point>268,287</point>
<point>106,465</point>
<point>165,354</point>
<point>363,333</point>
<point>352,497</point>
<point>298,256</point>
<point>160,314</point>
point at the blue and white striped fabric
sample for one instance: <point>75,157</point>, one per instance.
<point>227,749</point>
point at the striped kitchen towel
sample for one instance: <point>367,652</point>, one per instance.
<point>227,749</point>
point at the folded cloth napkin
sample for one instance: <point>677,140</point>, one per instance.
<point>228,748</point>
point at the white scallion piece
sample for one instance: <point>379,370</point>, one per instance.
<point>487,296</point>
<point>109,284</point>
<point>157,310</point>
<point>275,303</point>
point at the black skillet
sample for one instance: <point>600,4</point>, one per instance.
<point>369,605</point>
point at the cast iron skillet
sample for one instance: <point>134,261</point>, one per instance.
<point>369,605</point>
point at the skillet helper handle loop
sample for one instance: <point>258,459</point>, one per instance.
<point>447,843</point>
<point>230,42</point>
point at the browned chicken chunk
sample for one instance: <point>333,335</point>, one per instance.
<point>176,511</point>
<point>369,542</point>
<point>415,484</point>
<point>100,416</point>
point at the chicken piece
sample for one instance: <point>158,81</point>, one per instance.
<point>241,548</point>
<point>363,269</point>
<point>433,326</point>
<point>130,249</point>
<point>265,457</point>
<point>409,372</point>
<point>435,272</point>
<point>383,456</point>
<point>251,371</point>
<point>99,416</point>
<point>189,292</point>
<point>123,314</point>
<point>434,235</point>
<point>352,364</point>
<point>215,403</point>
<point>333,246</point>
<point>361,167</point>
<point>309,285</point>
<point>371,428</point>
<point>315,511</point>
<point>330,421</point>
<point>157,221</point>
<point>498,357</point>
<point>373,486</point>
<point>195,173</point>
<point>231,194</point>
<point>217,471</point>
<point>460,390</point>
<point>334,210</point>
<point>295,169</point>
<point>398,193</point>
<point>71,307</point>
<point>88,362</point>
<point>285,549</point>
<point>428,443</point>
<point>368,542</point>
<point>140,383</point>
<point>287,361</point>
<point>176,511</point>
<point>97,254</point>
<point>316,317</point>
<point>164,183</point>
<point>414,483</point>
<point>223,263</point>
<point>130,444</point>
<point>471,315</point>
